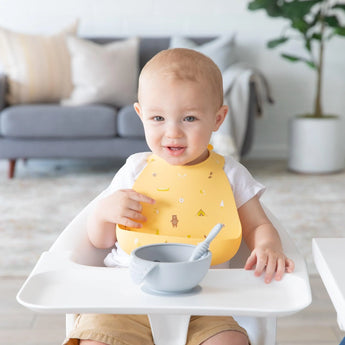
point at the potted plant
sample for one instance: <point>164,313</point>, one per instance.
<point>315,139</point>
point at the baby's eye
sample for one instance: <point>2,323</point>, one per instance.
<point>158,118</point>
<point>190,118</point>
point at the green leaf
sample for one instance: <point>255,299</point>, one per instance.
<point>260,4</point>
<point>293,9</point>
<point>276,42</point>
<point>269,6</point>
<point>340,31</point>
<point>332,21</point>
<point>339,6</point>
<point>298,9</point>
<point>294,58</point>
<point>291,57</point>
<point>300,24</point>
<point>257,4</point>
<point>316,36</point>
<point>310,63</point>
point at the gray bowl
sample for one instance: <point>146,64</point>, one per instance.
<point>165,267</point>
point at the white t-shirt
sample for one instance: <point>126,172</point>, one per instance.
<point>243,185</point>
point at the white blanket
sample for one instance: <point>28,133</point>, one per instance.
<point>229,139</point>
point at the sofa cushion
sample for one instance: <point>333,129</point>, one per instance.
<point>103,73</point>
<point>55,121</point>
<point>221,50</point>
<point>37,67</point>
<point>129,124</point>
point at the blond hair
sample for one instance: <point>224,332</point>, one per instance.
<point>185,64</point>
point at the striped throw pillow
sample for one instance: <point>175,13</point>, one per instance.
<point>37,67</point>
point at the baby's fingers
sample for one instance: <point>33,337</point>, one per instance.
<point>129,222</point>
<point>280,268</point>
<point>289,265</point>
<point>135,215</point>
<point>134,203</point>
<point>284,265</point>
<point>132,218</point>
<point>257,260</point>
<point>263,263</point>
<point>272,267</point>
<point>131,215</point>
<point>141,197</point>
<point>251,261</point>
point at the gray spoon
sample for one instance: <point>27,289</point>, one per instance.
<point>202,247</point>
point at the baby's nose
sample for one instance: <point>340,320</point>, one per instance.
<point>173,131</point>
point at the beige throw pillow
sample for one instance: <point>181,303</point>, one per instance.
<point>37,67</point>
<point>103,73</point>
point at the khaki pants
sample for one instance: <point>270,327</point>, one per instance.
<point>135,329</point>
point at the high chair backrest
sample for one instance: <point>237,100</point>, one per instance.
<point>74,239</point>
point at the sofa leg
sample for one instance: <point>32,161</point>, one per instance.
<point>11,168</point>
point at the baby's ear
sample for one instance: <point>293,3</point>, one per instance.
<point>220,116</point>
<point>137,108</point>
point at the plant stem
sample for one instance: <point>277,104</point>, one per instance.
<point>318,100</point>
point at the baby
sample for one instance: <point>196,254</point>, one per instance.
<point>180,103</point>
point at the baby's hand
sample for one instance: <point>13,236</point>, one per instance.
<point>273,262</point>
<point>124,207</point>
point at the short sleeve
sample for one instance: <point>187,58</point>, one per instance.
<point>244,186</point>
<point>125,177</point>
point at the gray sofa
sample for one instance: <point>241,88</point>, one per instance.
<point>90,131</point>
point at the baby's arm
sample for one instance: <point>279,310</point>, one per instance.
<point>264,242</point>
<point>121,207</point>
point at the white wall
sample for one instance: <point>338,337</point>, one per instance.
<point>292,84</point>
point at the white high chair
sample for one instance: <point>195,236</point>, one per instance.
<point>69,279</point>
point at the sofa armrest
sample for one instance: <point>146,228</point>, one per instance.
<point>3,86</point>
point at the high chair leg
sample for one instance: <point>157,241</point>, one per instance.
<point>169,329</point>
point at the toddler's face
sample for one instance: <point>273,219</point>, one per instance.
<point>179,117</point>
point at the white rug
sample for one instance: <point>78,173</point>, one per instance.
<point>46,195</point>
<point>39,202</point>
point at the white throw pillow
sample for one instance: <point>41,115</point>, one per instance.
<point>221,50</point>
<point>103,73</point>
<point>37,67</point>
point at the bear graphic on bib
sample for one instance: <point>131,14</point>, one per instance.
<point>190,201</point>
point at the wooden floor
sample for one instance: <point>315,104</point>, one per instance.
<point>316,325</point>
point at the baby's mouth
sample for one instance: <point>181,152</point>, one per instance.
<point>174,150</point>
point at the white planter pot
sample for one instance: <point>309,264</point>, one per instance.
<point>316,145</point>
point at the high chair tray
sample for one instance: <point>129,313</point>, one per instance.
<point>59,285</point>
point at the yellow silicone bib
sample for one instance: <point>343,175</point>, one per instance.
<point>190,201</point>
